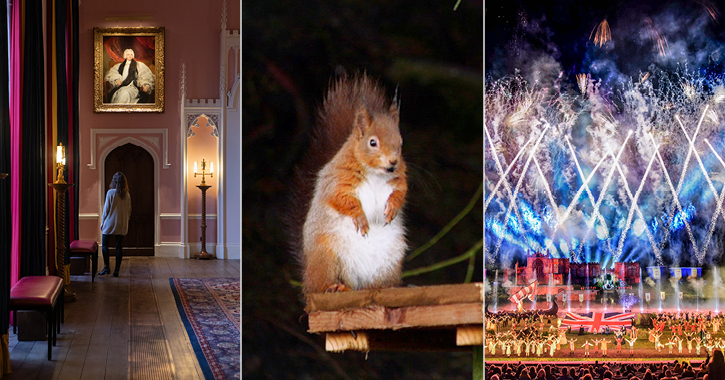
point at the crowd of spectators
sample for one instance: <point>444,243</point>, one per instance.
<point>710,369</point>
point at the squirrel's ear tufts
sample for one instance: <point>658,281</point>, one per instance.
<point>395,106</point>
<point>362,119</point>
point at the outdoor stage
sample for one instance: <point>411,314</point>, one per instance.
<point>644,350</point>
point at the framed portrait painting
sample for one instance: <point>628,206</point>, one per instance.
<point>129,69</point>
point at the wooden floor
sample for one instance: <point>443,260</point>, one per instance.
<point>121,328</point>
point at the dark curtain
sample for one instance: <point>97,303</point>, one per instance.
<point>5,230</point>
<point>34,185</point>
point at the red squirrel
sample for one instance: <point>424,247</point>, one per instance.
<point>353,235</point>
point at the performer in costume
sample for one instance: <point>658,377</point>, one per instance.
<point>552,347</point>
<point>540,347</point>
<point>571,346</point>
<point>619,340</point>
<point>698,343</point>
<point>586,348</point>
<point>596,345</point>
<point>519,343</point>
<point>562,336</point>
<point>492,346</point>
<point>670,343</point>
<point>604,343</point>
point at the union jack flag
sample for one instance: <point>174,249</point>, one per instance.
<point>528,290</point>
<point>595,322</point>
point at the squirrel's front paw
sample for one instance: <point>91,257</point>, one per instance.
<point>390,213</point>
<point>337,288</point>
<point>361,224</point>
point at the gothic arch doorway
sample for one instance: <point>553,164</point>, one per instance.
<point>138,166</point>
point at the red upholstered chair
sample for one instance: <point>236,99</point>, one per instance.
<point>44,294</point>
<point>86,248</point>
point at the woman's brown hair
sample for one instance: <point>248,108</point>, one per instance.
<point>120,184</point>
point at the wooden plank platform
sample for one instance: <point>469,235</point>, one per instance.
<point>430,318</point>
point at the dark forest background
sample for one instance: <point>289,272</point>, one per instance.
<point>290,51</point>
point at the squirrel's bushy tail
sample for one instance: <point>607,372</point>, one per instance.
<point>334,124</point>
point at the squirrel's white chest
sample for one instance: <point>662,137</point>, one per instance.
<point>373,194</point>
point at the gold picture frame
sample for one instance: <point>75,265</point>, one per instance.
<point>134,87</point>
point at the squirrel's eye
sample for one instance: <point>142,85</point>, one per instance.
<point>373,143</point>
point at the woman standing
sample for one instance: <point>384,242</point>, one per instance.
<point>114,221</point>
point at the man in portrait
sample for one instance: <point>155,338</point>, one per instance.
<point>131,80</point>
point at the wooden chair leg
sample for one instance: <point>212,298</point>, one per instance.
<point>60,315</point>
<point>51,330</point>
<point>62,307</point>
<point>55,324</point>
<point>94,265</point>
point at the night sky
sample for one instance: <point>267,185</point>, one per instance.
<point>552,35</point>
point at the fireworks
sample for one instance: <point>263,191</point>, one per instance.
<point>657,38</point>
<point>689,90</point>
<point>644,77</point>
<point>582,80</point>
<point>629,300</point>
<point>591,167</point>
<point>602,35</point>
<point>710,7</point>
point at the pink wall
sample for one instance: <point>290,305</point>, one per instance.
<point>192,31</point>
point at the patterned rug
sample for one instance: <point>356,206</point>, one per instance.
<point>209,308</point>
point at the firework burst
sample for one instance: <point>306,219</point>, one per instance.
<point>603,33</point>
<point>657,38</point>
<point>710,7</point>
<point>582,80</point>
<point>644,77</point>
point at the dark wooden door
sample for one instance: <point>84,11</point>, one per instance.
<point>138,166</point>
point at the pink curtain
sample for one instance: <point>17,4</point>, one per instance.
<point>16,96</point>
